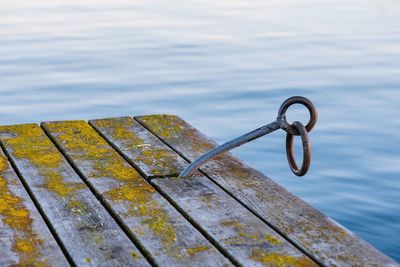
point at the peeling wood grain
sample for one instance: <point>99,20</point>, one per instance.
<point>245,238</point>
<point>88,233</point>
<point>161,230</point>
<point>25,239</point>
<point>330,243</point>
<point>158,162</point>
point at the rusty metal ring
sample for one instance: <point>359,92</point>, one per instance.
<point>297,100</point>
<point>306,150</point>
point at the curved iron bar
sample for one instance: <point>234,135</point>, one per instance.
<point>280,123</point>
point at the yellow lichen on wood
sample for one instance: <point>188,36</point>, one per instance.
<point>76,207</point>
<point>15,215</point>
<point>232,223</point>
<point>209,199</point>
<point>262,253</point>
<point>244,235</point>
<point>83,143</point>
<point>120,129</point>
<point>272,240</point>
<point>31,144</point>
<point>162,159</point>
<point>135,255</point>
<point>159,159</point>
<point>55,183</point>
<point>165,125</point>
<point>142,205</point>
<point>172,128</point>
<point>198,249</point>
<point>281,260</point>
<point>179,134</point>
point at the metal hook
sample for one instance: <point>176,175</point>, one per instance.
<point>296,128</point>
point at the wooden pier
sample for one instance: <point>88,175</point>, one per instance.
<point>106,193</point>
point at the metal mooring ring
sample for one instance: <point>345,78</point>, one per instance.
<point>306,150</point>
<point>296,128</point>
<point>297,100</point>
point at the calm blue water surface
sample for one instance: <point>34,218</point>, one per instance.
<point>226,66</point>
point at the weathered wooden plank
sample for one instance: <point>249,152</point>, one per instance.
<point>245,238</point>
<point>163,162</point>
<point>88,233</point>
<point>164,233</point>
<point>329,243</point>
<point>25,239</point>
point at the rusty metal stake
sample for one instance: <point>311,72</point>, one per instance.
<point>297,128</point>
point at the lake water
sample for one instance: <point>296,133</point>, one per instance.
<point>225,67</point>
